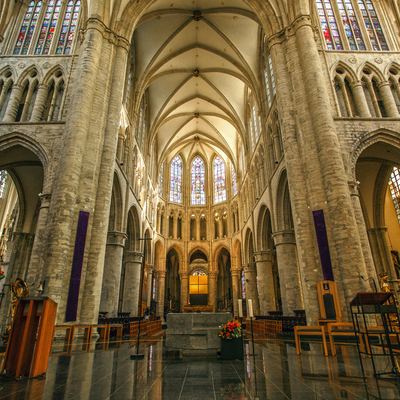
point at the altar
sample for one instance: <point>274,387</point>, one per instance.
<point>195,333</point>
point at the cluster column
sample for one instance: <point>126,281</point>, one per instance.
<point>161,291</point>
<point>184,276</point>
<point>212,289</point>
<point>264,263</point>
<point>236,290</point>
<point>150,272</point>
<point>250,275</point>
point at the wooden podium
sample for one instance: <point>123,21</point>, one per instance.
<point>28,348</point>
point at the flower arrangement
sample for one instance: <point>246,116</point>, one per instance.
<point>231,330</point>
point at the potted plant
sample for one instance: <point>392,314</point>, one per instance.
<point>231,341</point>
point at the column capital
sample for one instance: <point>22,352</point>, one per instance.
<point>264,256</point>
<point>150,268</point>
<point>249,268</point>
<point>115,238</point>
<point>43,86</point>
<point>161,273</point>
<point>236,272</point>
<point>184,275</point>
<point>133,256</point>
<point>213,274</point>
<point>17,86</point>
<point>355,84</point>
<point>284,237</point>
<point>383,83</point>
<point>45,199</point>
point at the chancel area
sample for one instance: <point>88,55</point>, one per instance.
<point>205,157</point>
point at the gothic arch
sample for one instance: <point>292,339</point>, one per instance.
<point>264,229</point>
<point>133,230</point>
<point>284,219</point>
<point>116,206</point>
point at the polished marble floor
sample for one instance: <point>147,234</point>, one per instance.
<point>104,370</point>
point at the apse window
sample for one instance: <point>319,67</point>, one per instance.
<point>219,180</point>
<point>53,23</point>
<point>394,186</point>
<point>351,25</point>
<point>198,282</point>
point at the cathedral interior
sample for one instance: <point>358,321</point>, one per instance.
<point>160,155</point>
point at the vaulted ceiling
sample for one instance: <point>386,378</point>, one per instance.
<point>197,59</point>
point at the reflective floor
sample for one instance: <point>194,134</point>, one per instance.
<point>105,371</point>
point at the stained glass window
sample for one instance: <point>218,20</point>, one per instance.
<point>154,288</point>
<point>219,180</point>
<point>373,25</point>
<point>175,192</point>
<point>199,272</point>
<point>394,186</point>
<point>48,27</point>
<point>68,28</point>
<point>27,28</point>
<point>329,26</point>
<point>350,24</point>
<point>243,286</point>
<point>3,177</point>
<point>198,282</point>
<point>128,89</point>
<point>234,182</point>
<point>161,181</point>
<point>198,190</point>
<point>271,70</point>
<point>267,87</point>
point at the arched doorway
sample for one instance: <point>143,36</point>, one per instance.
<point>198,279</point>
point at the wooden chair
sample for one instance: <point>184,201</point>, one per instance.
<point>309,331</point>
<point>328,303</point>
<point>336,329</point>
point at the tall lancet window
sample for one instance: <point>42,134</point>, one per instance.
<point>27,28</point>
<point>161,181</point>
<point>329,25</point>
<point>234,182</point>
<point>219,180</point>
<point>394,186</point>
<point>175,191</point>
<point>68,27</point>
<point>48,27</point>
<point>198,191</point>
<point>3,177</point>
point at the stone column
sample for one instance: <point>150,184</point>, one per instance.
<point>184,289</point>
<point>150,271</point>
<point>359,98</point>
<point>220,226</point>
<point>13,103</point>
<point>175,227</point>
<point>388,100</point>
<point>212,289</point>
<point>236,290</point>
<point>133,262</point>
<point>266,289</point>
<point>112,273</point>
<point>289,274</point>
<point>40,102</point>
<point>161,291</point>
<point>250,275</point>
<point>35,275</point>
<point>198,234</point>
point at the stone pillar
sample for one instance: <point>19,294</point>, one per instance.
<point>184,289</point>
<point>175,227</point>
<point>250,275</point>
<point>40,102</point>
<point>236,290</point>
<point>266,289</point>
<point>13,103</point>
<point>161,291</point>
<point>198,234</point>
<point>388,100</point>
<point>220,227</point>
<point>150,272</point>
<point>212,289</point>
<point>34,275</point>
<point>289,274</point>
<point>112,273</point>
<point>133,262</point>
<point>370,269</point>
<point>359,98</point>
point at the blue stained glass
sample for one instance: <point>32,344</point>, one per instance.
<point>198,192</point>
<point>175,192</point>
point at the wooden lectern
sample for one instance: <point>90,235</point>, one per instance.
<point>28,348</point>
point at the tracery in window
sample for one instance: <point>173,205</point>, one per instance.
<point>3,178</point>
<point>234,182</point>
<point>373,25</point>
<point>219,180</point>
<point>329,25</point>
<point>350,25</point>
<point>161,180</point>
<point>198,192</point>
<point>68,28</point>
<point>175,192</point>
<point>48,27</point>
<point>394,186</point>
<point>27,28</point>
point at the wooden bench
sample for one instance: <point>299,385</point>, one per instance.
<point>336,329</point>
<point>309,331</point>
<point>68,331</point>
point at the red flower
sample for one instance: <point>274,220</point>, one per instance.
<point>228,335</point>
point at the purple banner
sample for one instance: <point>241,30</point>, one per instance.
<point>77,263</point>
<point>323,245</point>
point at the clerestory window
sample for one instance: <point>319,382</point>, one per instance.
<point>198,192</point>
<point>175,192</point>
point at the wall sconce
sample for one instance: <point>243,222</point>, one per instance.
<point>40,288</point>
